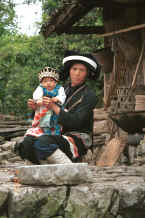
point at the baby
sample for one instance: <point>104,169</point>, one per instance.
<point>46,120</point>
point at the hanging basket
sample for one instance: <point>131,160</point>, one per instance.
<point>123,101</point>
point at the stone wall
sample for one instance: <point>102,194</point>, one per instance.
<point>117,192</point>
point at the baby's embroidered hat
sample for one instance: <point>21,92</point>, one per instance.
<point>48,72</point>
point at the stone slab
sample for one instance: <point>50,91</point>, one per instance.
<point>56,174</point>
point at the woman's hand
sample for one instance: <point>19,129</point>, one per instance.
<point>31,104</point>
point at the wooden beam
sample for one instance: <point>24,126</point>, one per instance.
<point>83,30</point>
<point>96,3</point>
<point>117,32</point>
<point>65,19</point>
<point>74,10</point>
<point>101,3</point>
<point>128,5</point>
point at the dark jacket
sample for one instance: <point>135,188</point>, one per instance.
<point>79,116</point>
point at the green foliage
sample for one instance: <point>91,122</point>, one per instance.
<point>22,57</point>
<point>21,60</point>
<point>7,15</point>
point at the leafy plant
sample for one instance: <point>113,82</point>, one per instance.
<point>22,57</point>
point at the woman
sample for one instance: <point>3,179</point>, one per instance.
<point>76,116</point>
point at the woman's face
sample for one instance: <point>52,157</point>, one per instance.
<point>78,74</point>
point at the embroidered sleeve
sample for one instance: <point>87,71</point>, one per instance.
<point>38,93</point>
<point>61,95</point>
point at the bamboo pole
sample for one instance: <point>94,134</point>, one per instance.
<point>137,67</point>
<point>116,32</point>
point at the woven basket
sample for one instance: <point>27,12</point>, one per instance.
<point>140,103</point>
<point>124,101</point>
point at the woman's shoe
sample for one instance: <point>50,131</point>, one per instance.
<point>58,157</point>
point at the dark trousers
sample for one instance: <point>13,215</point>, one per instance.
<point>36,149</point>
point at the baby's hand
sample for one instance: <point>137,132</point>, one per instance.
<point>55,99</point>
<point>39,102</point>
<point>47,101</point>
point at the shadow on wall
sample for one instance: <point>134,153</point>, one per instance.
<point>132,213</point>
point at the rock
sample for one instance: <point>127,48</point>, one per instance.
<point>7,146</point>
<point>88,158</point>
<point>15,159</point>
<point>56,174</point>
<point>3,195</point>
<point>100,127</point>
<point>100,114</point>
<point>18,139</point>
<point>36,202</point>
<point>2,140</point>
<point>5,155</point>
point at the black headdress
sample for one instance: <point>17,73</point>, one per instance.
<point>72,57</point>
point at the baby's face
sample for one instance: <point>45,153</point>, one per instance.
<point>49,83</point>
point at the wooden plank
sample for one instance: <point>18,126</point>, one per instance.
<point>11,130</point>
<point>84,30</point>
<point>111,153</point>
<point>14,122</point>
